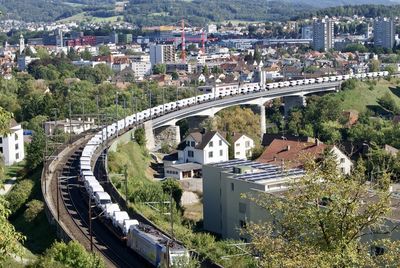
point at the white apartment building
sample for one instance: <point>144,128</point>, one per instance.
<point>161,53</point>
<point>225,212</point>
<point>12,145</point>
<point>141,69</point>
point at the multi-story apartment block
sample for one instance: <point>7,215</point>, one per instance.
<point>161,53</point>
<point>323,34</point>
<point>384,33</point>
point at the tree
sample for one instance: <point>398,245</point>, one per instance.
<point>320,220</point>
<point>104,50</point>
<point>159,69</point>
<point>205,70</point>
<point>231,148</point>
<point>86,55</point>
<point>35,150</point>
<point>172,187</point>
<point>388,103</point>
<point>9,238</point>
<point>72,254</point>
<point>375,65</point>
<point>140,136</point>
<point>175,76</point>
<point>5,119</point>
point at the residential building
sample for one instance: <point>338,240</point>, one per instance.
<point>307,32</point>
<point>179,67</point>
<point>203,147</point>
<point>242,146</point>
<point>12,145</point>
<point>290,153</point>
<point>68,126</point>
<point>323,35</point>
<point>162,53</point>
<point>225,211</point>
<point>384,33</point>
<point>141,69</point>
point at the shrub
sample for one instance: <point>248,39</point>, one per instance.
<point>34,208</point>
<point>19,195</point>
<point>140,136</point>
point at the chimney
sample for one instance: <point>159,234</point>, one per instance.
<point>288,148</point>
<point>203,131</point>
<point>275,158</point>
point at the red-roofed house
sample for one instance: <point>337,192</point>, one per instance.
<point>292,154</point>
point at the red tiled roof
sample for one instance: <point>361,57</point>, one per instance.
<point>290,152</point>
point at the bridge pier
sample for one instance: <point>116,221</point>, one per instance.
<point>263,123</point>
<point>293,102</point>
<point>149,134</point>
<point>167,135</point>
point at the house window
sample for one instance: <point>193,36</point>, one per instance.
<point>17,156</point>
<point>342,160</point>
<point>221,152</point>
<point>188,143</point>
<point>16,146</point>
<point>247,144</point>
<point>1,139</point>
<point>237,153</point>
<point>1,149</point>
<point>237,144</point>
<point>220,142</point>
<point>190,153</point>
<point>192,143</point>
<point>210,154</point>
<point>16,136</point>
<point>242,207</point>
<point>342,170</point>
<point>232,187</point>
<point>211,144</point>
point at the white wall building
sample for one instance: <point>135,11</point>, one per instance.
<point>67,126</point>
<point>242,146</point>
<point>203,148</point>
<point>160,53</point>
<point>224,209</point>
<point>12,145</point>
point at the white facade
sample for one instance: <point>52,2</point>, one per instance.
<point>141,69</point>
<point>67,126</point>
<point>12,146</point>
<point>243,147</point>
<point>216,150</point>
<point>162,54</point>
<point>344,163</point>
<point>224,209</point>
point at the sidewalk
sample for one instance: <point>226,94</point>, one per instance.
<point>8,184</point>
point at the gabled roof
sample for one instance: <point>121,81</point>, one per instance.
<point>290,152</point>
<point>201,138</point>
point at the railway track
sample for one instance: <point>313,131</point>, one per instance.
<point>73,211</point>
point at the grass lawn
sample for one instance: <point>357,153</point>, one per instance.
<point>363,98</point>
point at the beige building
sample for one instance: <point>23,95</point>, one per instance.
<point>67,126</point>
<point>224,210</point>
<point>242,146</point>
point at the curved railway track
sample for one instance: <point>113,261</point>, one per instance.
<point>73,212</point>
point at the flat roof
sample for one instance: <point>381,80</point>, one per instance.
<point>258,172</point>
<point>186,166</point>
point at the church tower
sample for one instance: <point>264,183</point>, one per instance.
<point>21,44</point>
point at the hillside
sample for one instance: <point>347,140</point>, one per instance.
<point>158,12</point>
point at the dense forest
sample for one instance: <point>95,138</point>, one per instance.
<point>369,11</point>
<point>48,10</point>
<point>197,12</point>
